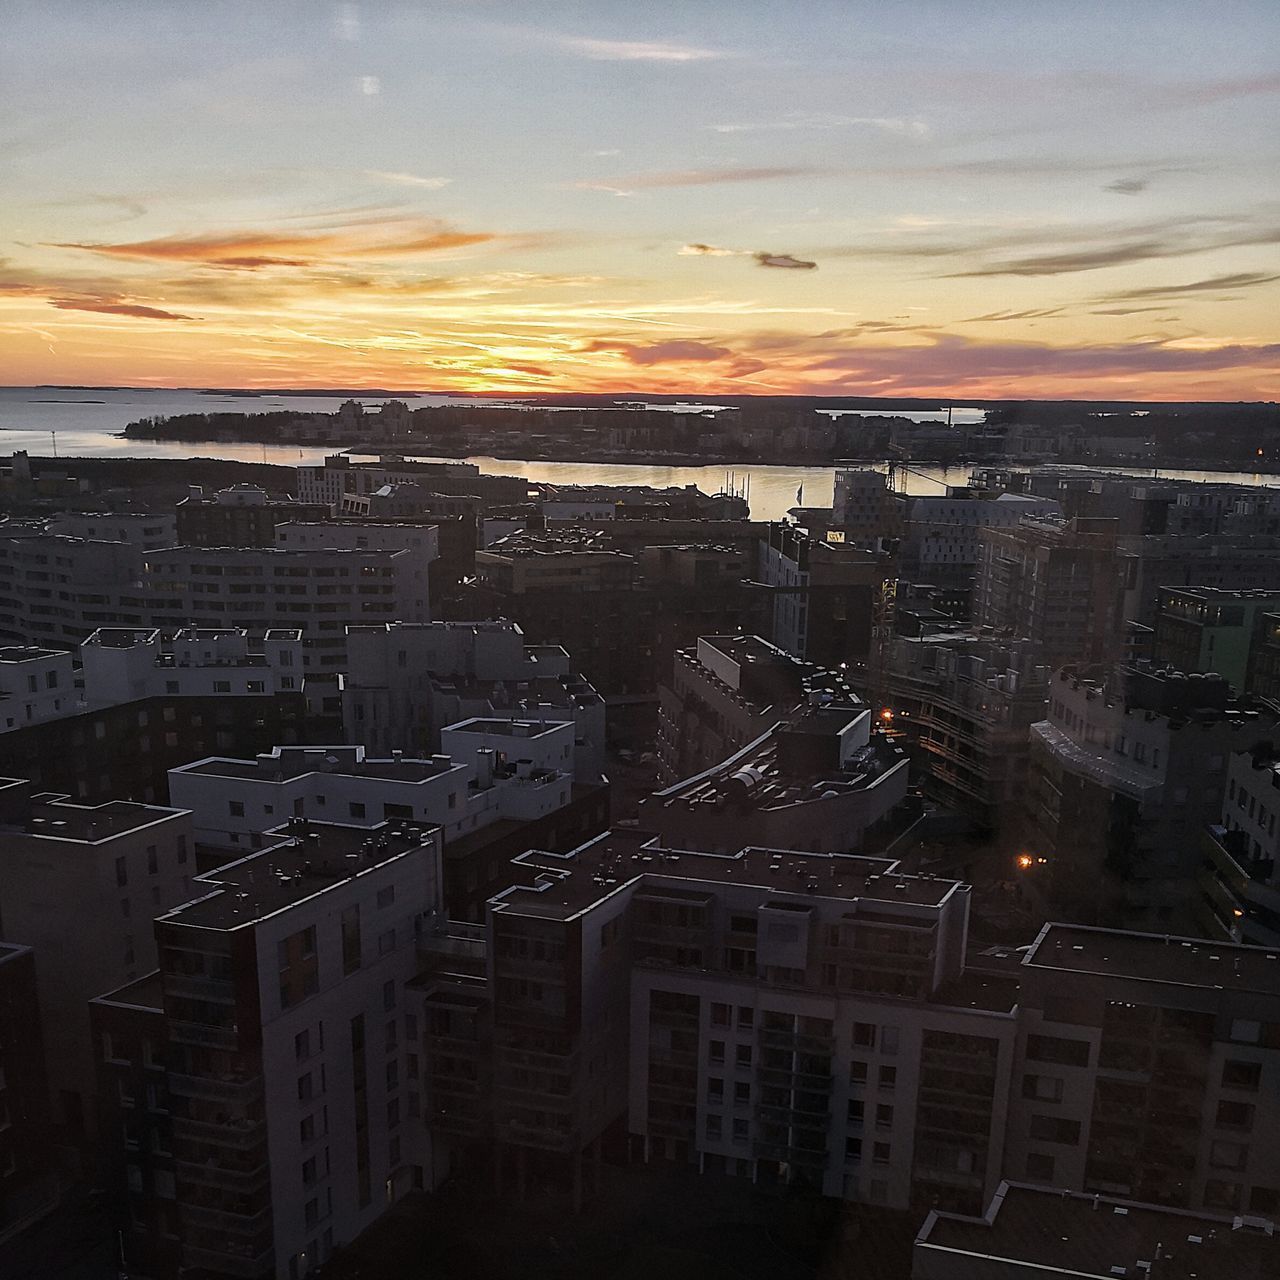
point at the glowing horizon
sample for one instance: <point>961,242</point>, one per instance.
<point>940,201</point>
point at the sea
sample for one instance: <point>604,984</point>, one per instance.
<point>89,422</point>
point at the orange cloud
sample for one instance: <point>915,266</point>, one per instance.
<point>133,309</point>
<point>251,250</point>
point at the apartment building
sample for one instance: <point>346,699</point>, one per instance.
<point>727,691</point>
<point>122,664</point>
<point>35,685</point>
<point>822,780</point>
<point>1124,776</point>
<point>792,1016</point>
<point>404,682</point>
<point>24,1096</point>
<point>1036,1233</point>
<point>289,1050</point>
<point>496,783</point>
<point>1055,583</point>
<point>242,515</point>
<point>1147,1068</point>
<point>963,704</point>
<point>56,591</point>
<point>80,885</point>
<point>146,530</point>
<point>823,594</point>
<point>1240,886</point>
<point>1211,629</point>
<point>340,475</point>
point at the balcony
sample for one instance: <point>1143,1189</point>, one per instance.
<point>237,1133</point>
<point>225,1179</point>
<point>244,1266</point>
<point>199,986</point>
<point>238,1089</point>
<point>203,1218</point>
<point>202,1034</point>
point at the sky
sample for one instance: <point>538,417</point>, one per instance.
<point>1026,198</point>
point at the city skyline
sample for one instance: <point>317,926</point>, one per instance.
<point>971,199</point>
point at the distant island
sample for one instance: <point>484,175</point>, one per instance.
<point>783,430</point>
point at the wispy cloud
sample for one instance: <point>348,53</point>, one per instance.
<point>636,50</point>
<point>407,179</point>
<point>1128,186</point>
<point>900,125</point>
<point>997,317</point>
<point>133,309</point>
<point>697,178</point>
<point>762,258</point>
<point>784,260</point>
<point>1213,284</point>
<point>253,250</point>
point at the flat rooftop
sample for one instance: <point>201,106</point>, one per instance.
<point>146,992</point>
<point>506,728</point>
<point>1150,957</point>
<point>308,859</point>
<point>594,870</point>
<point>28,653</point>
<point>89,824</point>
<point>1091,1236</point>
<point>767,784</point>
<point>301,762</point>
<point>569,690</point>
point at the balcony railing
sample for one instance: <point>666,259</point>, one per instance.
<point>201,1216</point>
<point>217,1089</point>
<point>244,1266</point>
<point>202,1034</point>
<point>215,1175</point>
<point>192,984</point>
<point>237,1133</point>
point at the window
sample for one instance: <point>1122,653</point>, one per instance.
<point>888,1077</point>
<point>302,1046</point>
<point>742,1093</point>
<point>306,1087</point>
<point>1243,1030</point>
<point>856,1110</point>
<point>309,1171</point>
<point>1228,1155</point>
<point>852,1150</point>
<point>1042,1088</point>
<point>741,1130</point>
<point>746,1018</point>
<point>1235,1115</point>
<point>1242,1075</point>
<point>1067,1053</point>
<point>714,1127</point>
<point>720,1015</point>
<point>881,1152</point>
<point>386,942</point>
<point>356,809</point>
<point>715,1090</point>
<point>393,1113</point>
<point>393,1075</point>
<point>1055,1129</point>
<point>857,1071</point>
<point>235,808</point>
<point>350,940</point>
<point>122,871</point>
<point>864,1035</point>
<point>307,1129</point>
<point>311,1211</point>
<point>743,1055</point>
<point>386,896</point>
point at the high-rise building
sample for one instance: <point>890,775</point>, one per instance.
<point>281,1016</point>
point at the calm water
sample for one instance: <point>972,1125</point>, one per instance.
<point>87,424</point>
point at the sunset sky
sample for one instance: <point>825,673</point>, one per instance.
<point>1026,199</point>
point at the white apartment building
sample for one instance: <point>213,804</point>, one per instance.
<point>120,664</point>
<point>339,476</point>
<point>293,1071</point>
<point>406,681</point>
<point>233,802</point>
<point>56,591</point>
<point>35,685</point>
<point>148,531</point>
<point>81,884</point>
